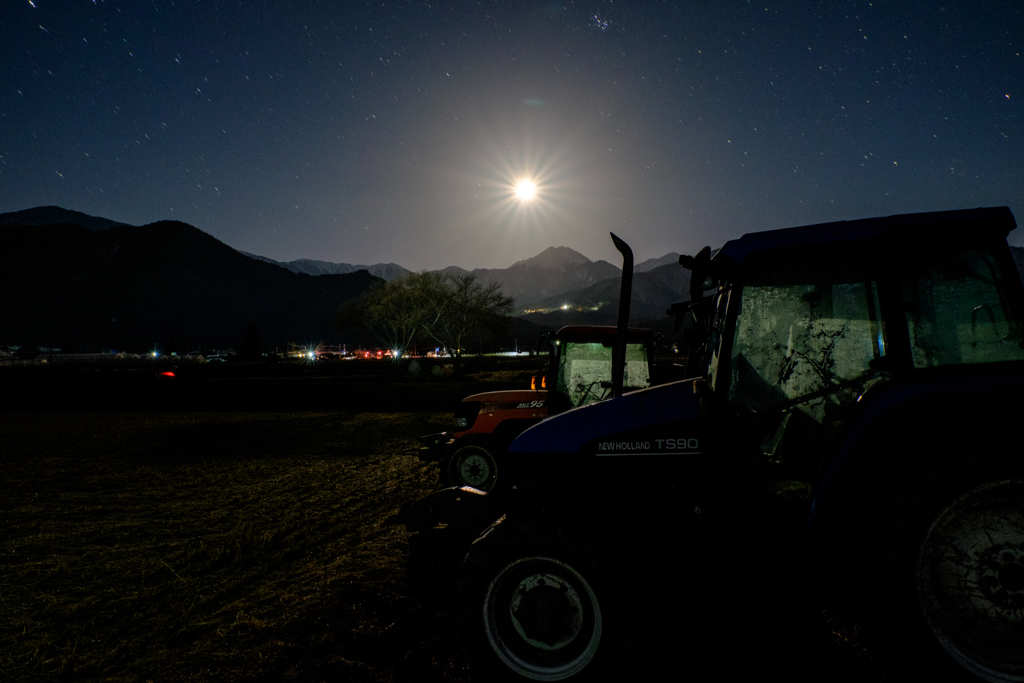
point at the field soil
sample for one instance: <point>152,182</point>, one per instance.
<point>235,525</point>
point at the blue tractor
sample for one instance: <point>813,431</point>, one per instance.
<point>865,377</point>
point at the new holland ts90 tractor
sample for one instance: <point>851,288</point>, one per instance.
<point>870,371</point>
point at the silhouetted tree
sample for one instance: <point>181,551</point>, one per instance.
<point>443,308</point>
<point>459,305</point>
<point>388,311</point>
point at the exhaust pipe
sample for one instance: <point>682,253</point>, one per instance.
<point>622,329</point>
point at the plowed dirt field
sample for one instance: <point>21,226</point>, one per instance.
<point>199,539</point>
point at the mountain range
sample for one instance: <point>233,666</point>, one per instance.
<point>558,257</point>
<point>557,286</point>
<point>78,281</point>
<point>535,283</point>
<point>81,282</point>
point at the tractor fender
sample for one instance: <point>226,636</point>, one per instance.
<point>907,419</point>
<point>443,526</point>
<point>454,508</point>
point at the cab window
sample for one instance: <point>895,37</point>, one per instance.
<point>585,371</point>
<point>956,309</point>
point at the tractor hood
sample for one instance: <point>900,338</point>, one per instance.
<point>507,397</point>
<point>572,431</point>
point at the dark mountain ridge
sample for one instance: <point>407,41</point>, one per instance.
<point>385,271</point>
<point>166,284</point>
<point>55,215</point>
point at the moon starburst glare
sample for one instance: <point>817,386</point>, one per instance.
<point>526,190</point>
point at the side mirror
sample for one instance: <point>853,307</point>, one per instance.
<point>698,266</point>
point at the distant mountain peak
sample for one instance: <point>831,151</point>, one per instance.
<point>553,257</point>
<point>454,270</point>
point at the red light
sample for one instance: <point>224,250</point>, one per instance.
<point>165,374</point>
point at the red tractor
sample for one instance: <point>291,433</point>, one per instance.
<point>580,363</point>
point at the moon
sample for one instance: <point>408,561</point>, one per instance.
<point>526,190</point>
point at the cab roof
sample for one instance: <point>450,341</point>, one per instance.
<point>997,221</point>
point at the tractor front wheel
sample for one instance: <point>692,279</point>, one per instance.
<point>473,463</point>
<point>538,607</point>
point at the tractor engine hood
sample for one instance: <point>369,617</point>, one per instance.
<point>647,408</point>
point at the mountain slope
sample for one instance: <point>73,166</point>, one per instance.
<point>167,283</point>
<point>653,292</point>
<point>671,258</point>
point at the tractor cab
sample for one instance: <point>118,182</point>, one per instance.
<point>801,323</point>
<point>580,361</point>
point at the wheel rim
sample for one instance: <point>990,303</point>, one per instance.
<point>970,580</point>
<point>542,619</point>
<point>474,466</point>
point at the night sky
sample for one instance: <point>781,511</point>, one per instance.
<point>395,131</point>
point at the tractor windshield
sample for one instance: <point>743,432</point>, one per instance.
<point>805,336</point>
<point>585,371</point>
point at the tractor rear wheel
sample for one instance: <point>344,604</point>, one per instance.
<point>941,568</point>
<point>970,579</point>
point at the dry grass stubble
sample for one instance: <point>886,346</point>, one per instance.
<point>213,546</point>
